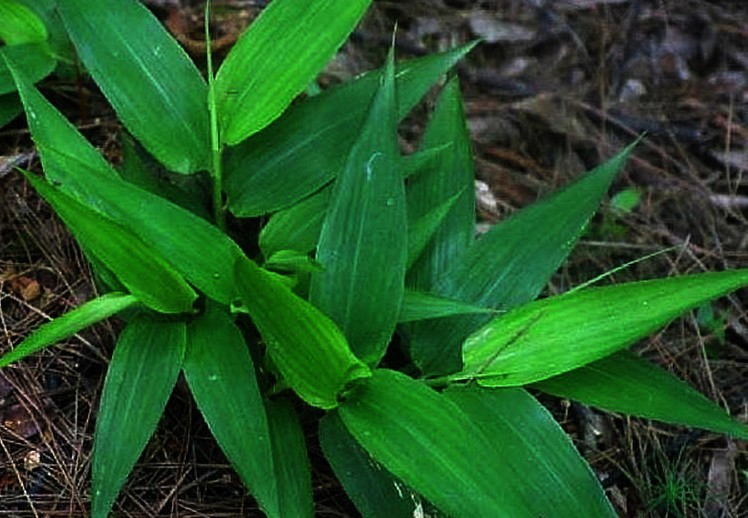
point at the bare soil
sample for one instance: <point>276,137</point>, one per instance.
<point>554,89</point>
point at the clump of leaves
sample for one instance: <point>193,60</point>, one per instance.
<point>364,250</point>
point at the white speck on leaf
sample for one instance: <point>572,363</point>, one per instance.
<point>370,165</point>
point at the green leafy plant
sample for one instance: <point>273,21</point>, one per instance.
<point>365,251</point>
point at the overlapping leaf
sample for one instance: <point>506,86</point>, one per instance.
<point>306,147</point>
<point>363,244</point>
<point>373,489</point>
<point>191,245</point>
<point>221,377</point>
<point>309,350</point>
<point>457,460</point>
<point>149,278</point>
<point>623,382</point>
<point>141,376</point>
<point>34,59</point>
<point>20,24</point>
<point>421,305</point>
<point>277,56</point>
<point>558,334</point>
<point>504,268</point>
<point>70,323</point>
<point>155,88</point>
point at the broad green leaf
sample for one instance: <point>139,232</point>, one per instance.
<point>306,147</point>
<point>426,440</point>
<point>623,382</point>
<point>555,480</point>
<point>557,334</point>
<point>309,350</point>
<point>363,244</point>
<point>292,471</point>
<point>139,381</point>
<point>221,377</point>
<point>34,59</point>
<point>70,323</point>
<point>374,491</point>
<point>149,278</point>
<point>276,58</point>
<point>191,245</point>
<point>419,305</point>
<point>150,81</point>
<point>20,25</point>
<point>432,188</point>
<point>10,108</point>
<point>510,265</point>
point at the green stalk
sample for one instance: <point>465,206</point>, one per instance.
<point>219,212</point>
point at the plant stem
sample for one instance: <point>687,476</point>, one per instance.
<point>219,212</point>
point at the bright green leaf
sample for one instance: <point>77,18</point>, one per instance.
<point>191,245</point>
<point>363,244</point>
<point>276,58</point>
<point>221,377</point>
<point>419,305</point>
<point>555,480</point>
<point>150,81</point>
<point>292,471</point>
<point>428,442</point>
<point>19,24</point>
<point>150,279</point>
<point>374,491</point>
<point>70,323</point>
<point>141,376</point>
<point>511,264</point>
<point>306,346</point>
<point>557,334</point>
<point>306,147</point>
<point>625,383</point>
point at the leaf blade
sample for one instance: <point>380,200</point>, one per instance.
<point>363,244</point>
<point>140,378</point>
<point>70,323</point>
<point>623,382</point>
<point>276,57</point>
<point>530,343</point>
<point>155,88</point>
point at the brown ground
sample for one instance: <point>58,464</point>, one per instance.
<point>556,88</point>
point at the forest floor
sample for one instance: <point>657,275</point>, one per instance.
<point>555,88</point>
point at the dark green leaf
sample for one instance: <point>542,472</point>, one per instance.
<point>625,383</point>
<point>149,278</point>
<point>155,88</point>
<point>297,227</point>
<point>191,245</point>
<point>309,350</point>
<point>431,189</point>
<point>141,376</point>
<point>276,58</point>
<point>10,107</point>
<point>511,264</point>
<point>555,480</point>
<point>418,305</point>
<point>306,147</point>
<point>292,471</point>
<point>70,323</point>
<point>557,334</point>
<point>221,376</point>
<point>373,489</point>
<point>428,442</point>
<point>423,228</point>
<point>363,244</point>
<point>292,261</point>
